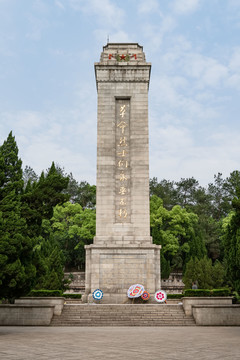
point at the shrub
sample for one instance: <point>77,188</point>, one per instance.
<point>221,292</point>
<point>72,296</point>
<point>45,293</point>
<point>206,292</point>
<point>197,292</point>
<point>174,296</point>
<point>236,298</point>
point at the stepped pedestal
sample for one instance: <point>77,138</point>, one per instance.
<point>113,269</point>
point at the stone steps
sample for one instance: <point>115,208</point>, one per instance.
<point>122,315</point>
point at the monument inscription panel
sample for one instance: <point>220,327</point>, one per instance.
<point>123,172</point>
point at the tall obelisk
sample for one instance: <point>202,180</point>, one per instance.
<point>122,253</point>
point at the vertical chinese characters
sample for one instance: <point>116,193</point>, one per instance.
<point>122,205</point>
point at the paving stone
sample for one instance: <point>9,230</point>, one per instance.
<point>88,343</point>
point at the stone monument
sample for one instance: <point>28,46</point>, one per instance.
<point>122,253</point>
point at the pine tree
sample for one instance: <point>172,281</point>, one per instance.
<point>40,198</point>
<point>191,273</point>
<point>49,261</point>
<point>206,275</point>
<point>16,270</point>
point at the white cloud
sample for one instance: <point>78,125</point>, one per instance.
<point>23,121</point>
<point>175,153</point>
<point>234,81</point>
<point>37,25</point>
<point>185,6</point>
<point>65,137</point>
<point>155,33</point>
<point>214,73</point>
<point>234,3</point>
<point>40,6</point>
<point>204,71</point>
<point>105,11</point>
<point>147,7</point>
<point>208,71</point>
<point>174,96</point>
<point>172,138</point>
<point>234,63</point>
<point>120,36</point>
<point>102,36</point>
<point>59,4</point>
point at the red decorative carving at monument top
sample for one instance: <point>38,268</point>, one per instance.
<point>122,57</point>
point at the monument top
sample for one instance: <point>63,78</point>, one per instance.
<point>123,54</point>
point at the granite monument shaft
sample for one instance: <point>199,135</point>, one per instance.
<point>122,252</point>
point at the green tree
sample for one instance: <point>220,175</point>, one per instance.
<point>73,227</point>
<point>29,175</point>
<point>17,272</point>
<point>165,190</point>
<point>49,261</point>
<point>206,275</point>
<point>165,266</point>
<point>221,200</point>
<point>81,193</point>
<point>191,272</point>
<point>186,190</point>
<point>40,197</point>
<point>38,201</point>
<point>175,231</point>
<point>86,195</point>
<point>231,243</point>
<point>218,274</point>
<point>205,269</point>
<point>231,185</point>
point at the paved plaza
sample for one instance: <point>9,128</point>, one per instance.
<point>22,343</point>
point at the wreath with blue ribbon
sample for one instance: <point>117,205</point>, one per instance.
<point>97,294</point>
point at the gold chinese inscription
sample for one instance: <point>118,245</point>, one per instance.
<point>122,205</point>
<point>122,125</point>
<point>123,177</point>
<point>122,163</point>
<point>122,141</point>
<point>122,111</point>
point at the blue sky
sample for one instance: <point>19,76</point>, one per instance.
<point>48,94</point>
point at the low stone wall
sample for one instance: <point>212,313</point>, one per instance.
<point>26,315</point>
<point>217,315</point>
<point>57,302</point>
<point>189,302</point>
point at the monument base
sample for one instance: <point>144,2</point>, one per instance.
<point>114,268</point>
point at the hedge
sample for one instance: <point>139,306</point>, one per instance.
<point>72,296</point>
<point>206,292</point>
<point>51,293</point>
<point>174,296</point>
<point>221,292</point>
<point>46,293</point>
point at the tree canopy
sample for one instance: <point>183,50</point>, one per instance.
<point>73,227</point>
<point>17,271</point>
<point>46,220</point>
<point>231,243</point>
<point>175,230</point>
